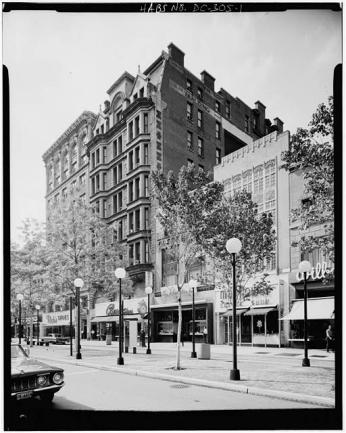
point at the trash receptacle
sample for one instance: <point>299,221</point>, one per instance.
<point>108,339</point>
<point>203,351</point>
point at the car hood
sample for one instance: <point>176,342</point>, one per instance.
<point>23,366</point>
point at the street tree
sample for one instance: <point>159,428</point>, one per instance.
<point>81,244</point>
<point>29,264</point>
<point>172,194</point>
<point>228,217</point>
<point>312,151</point>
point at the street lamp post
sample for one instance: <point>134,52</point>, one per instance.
<point>148,291</point>
<point>305,267</point>
<point>78,283</point>
<point>233,246</point>
<point>20,297</point>
<point>192,285</point>
<point>38,323</point>
<point>120,273</point>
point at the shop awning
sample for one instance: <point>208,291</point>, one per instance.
<point>260,311</point>
<point>107,319</point>
<point>175,304</point>
<point>239,311</point>
<point>317,309</point>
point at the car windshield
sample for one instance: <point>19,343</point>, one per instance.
<point>17,352</point>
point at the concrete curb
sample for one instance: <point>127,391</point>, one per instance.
<point>282,395</point>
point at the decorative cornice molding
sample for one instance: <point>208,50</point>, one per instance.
<point>85,116</point>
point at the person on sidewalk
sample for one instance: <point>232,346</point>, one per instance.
<point>205,334</point>
<point>329,339</point>
<point>142,337</point>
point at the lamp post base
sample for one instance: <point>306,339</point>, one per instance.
<point>120,361</point>
<point>148,351</point>
<point>78,356</point>
<point>193,355</point>
<point>235,375</point>
<point>306,362</point>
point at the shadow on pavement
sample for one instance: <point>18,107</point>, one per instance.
<point>35,414</point>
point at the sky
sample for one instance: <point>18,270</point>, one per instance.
<point>61,64</point>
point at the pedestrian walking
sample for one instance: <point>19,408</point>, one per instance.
<point>205,333</point>
<point>329,339</point>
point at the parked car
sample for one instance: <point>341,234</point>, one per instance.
<point>31,378</point>
<point>55,339</point>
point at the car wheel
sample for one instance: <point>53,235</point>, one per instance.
<point>47,397</point>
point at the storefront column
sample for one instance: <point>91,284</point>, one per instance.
<point>41,330</point>
<point>216,336</point>
<point>251,330</point>
<point>265,330</point>
<point>239,323</point>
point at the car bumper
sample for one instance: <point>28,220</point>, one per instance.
<point>37,391</point>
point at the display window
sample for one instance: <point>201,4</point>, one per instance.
<point>165,328</point>
<point>199,326</point>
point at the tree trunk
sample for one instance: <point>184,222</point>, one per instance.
<point>178,366</point>
<point>31,330</point>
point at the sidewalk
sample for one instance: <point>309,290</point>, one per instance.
<point>275,372</point>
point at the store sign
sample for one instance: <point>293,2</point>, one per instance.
<point>223,300</point>
<point>318,272</point>
<point>59,318</point>
<point>131,306</point>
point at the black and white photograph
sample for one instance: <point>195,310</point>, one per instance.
<point>171,192</point>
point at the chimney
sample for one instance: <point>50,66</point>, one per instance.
<point>207,80</point>
<point>279,125</point>
<point>176,54</point>
<point>107,106</point>
<point>261,108</point>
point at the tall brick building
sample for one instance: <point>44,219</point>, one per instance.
<point>67,171</point>
<point>161,119</point>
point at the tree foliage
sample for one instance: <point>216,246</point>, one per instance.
<point>172,194</point>
<point>228,217</point>
<point>81,244</point>
<point>198,220</point>
<point>29,264</point>
<point>312,151</point>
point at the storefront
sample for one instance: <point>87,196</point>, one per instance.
<point>57,323</point>
<point>320,314</point>
<point>165,315</point>
<point>257,320</point>
<point>165,320</point>
<point>106,320</point>
<point>320,306</point>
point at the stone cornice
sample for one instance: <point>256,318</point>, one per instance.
<point>85,116</point>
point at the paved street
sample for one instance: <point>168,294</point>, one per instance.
<point>272,372</point>
<point>107,390</point>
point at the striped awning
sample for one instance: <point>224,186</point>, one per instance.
<point>239,311</point>
<point>260,311</point>
<point>317,309</point>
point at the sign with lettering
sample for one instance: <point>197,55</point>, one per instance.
<point>318,272</point>
<point>131,306</point>
<point>58,318</point>
<point>223,300</point>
